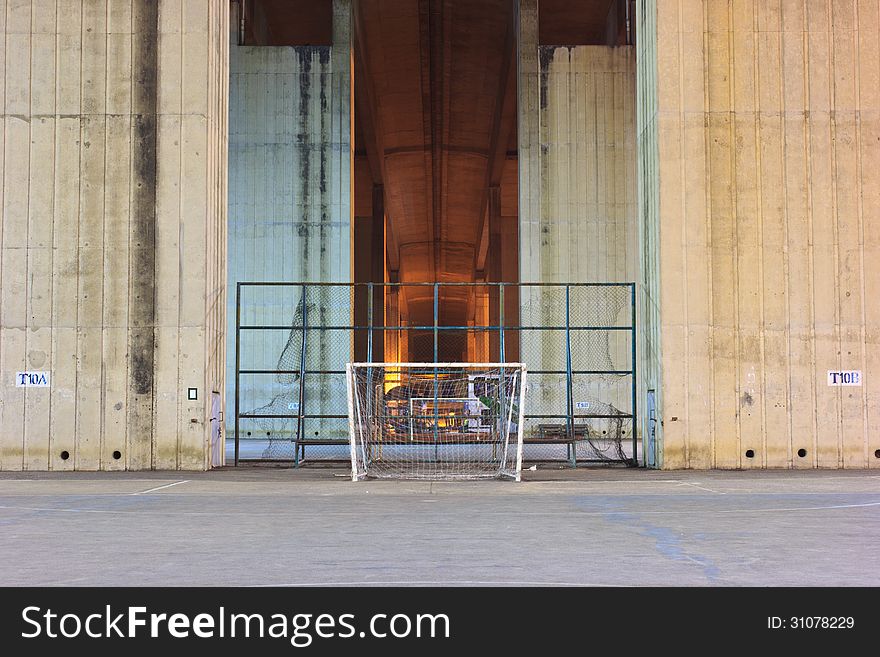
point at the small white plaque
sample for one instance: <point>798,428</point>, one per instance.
<point>844,377</point>
<point>32,379</point>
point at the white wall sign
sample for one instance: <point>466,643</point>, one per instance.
<point>844,378</point>
<point>32,379</point>
<point>582,405</point>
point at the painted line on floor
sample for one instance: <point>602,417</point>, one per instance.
<point>153,490</point>
<point>609,512</point>
<point>687,483</point>
<point>445,582</point>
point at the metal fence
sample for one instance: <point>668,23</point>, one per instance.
<point>292,341</point>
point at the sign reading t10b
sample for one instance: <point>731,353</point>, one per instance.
<point>844,378</point>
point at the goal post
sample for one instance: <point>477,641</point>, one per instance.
<point>435,420</point>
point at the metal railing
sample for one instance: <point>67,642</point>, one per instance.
<point>578,341</point>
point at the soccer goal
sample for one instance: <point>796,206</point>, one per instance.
<point>435,420</point>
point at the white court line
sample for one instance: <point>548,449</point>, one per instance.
<point>519,514</point>
<point>446,582</point>
<point>806,508</point>
<point>687,483</point>
<point>152,490</point>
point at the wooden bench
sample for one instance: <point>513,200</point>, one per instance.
<point>557,434</point>
<point>299,447</point>
<point>548,434</point>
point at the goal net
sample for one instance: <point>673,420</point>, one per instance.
<point>435,420</point>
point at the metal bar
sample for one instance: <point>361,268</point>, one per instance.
<point>291,416</point>
<point>302,379</point>
<point>436,326</point>
<point>487,327</point>
<point>501,322</point>
<point>369,391</point>
<point>436,358</point>
<point>501,356</point>
<point>429,366</point>
<point>369,324</point>
<point>618,416</point>
<point>635,383</point>
<point>255,372</point>
<point>237,365</point>
<point>521,424</point>
<point>621,416</point>
<point>620,372</point>
<point>349,382</point>
<point>344,459</point>
<point>444,284</point>
<point>569,389</point>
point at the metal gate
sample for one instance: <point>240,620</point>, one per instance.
<point>292,341</point>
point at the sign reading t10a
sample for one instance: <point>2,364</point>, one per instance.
<point>844,377</point>
<point>31,379</point>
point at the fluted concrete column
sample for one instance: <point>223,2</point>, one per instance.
<point>113,233</point>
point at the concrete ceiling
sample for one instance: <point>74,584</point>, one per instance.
<point>434,75</point>
<point>309,22</point>
<point>574,22</point>
<point>288,22</point>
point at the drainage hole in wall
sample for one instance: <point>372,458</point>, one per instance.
<point>877,453</point>
<point>750,453</point>
<point>65,455</point>
<point>802,452</point>
<point>117,455</point>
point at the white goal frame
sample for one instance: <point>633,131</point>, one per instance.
<point>520,420</point>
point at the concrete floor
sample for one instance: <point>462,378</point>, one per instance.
<point>273,526</point>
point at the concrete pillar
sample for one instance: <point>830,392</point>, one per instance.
<point>113,232</point>
<point>577,210</point>
<point>478,341</point>
<point>528,111</point>
<point>537,351</point>
<point>377,261</point>
<point>649,338</point>
<point>396,342</point>
<point>759,151</point>
<point>291,208</point>
<point>369,267</point>
<point>494,274</point>
<point>362,251</point>
<point>586,184</point>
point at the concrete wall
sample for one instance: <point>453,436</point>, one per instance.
<point>648,313</point>
<point>290,218</point>
<point>113,231</point>
<point>769,145</point>
<point>577,221</point>
<point>585,227</point>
